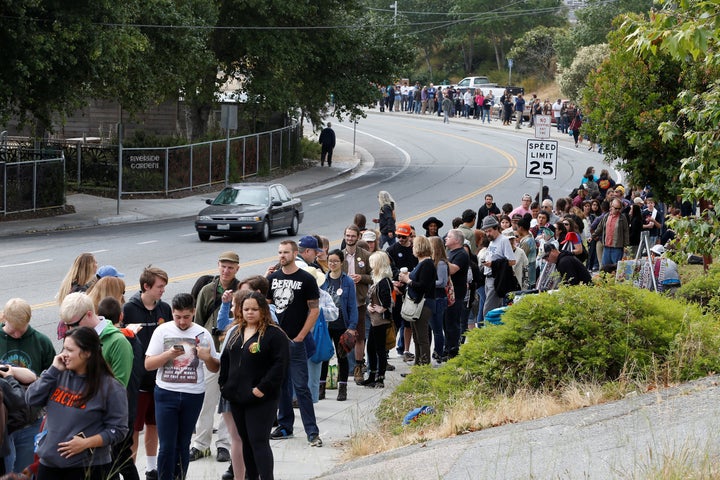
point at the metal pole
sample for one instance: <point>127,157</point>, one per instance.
<point>120,166</point>
<point>227,155</point>
<point>354,135</point>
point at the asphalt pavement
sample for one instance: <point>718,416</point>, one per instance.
<point>614,440</point>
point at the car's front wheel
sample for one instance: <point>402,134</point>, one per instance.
<point>265,232</point>
<point>294,226</point>
<point>204,237</point>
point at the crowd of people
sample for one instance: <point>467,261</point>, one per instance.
<point>482,104</point>
<point>244,348</point>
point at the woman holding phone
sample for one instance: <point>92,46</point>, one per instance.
<point>86,411</point>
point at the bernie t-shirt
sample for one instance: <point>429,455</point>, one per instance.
<point>290,294</point>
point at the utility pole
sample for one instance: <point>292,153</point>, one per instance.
<point>394,6</point>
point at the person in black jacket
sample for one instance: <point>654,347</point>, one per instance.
<point>488,208</point>
<point>252,369</point>
<point>572,270</point>
<point>327,140</point>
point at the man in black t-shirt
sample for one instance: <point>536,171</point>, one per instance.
<point>401,256</point>
<point>295,294</point>
<point>459,261</point>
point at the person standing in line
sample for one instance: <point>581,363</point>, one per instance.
<point>488,208</point>
<point>613,231</point>
<point>421,284</point>
<point>181,351</point>
<point>356,264</point>
<point>498,248</point>
<point>458,264</point>
<point>519,110</point>
<point>81,276</point>
<point>341,287</point>
<point>253,367</point>
<point>295,294</point>
<point>447,106</point>
<point>86,410</point>
<point>327,140</point>
<point>21,346</point>
<point>380,312</point>
<point>401,255</point>
<point>142,314</point>
<point>209,301</point>
<point>386,219</point>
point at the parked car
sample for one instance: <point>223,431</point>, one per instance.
<point>472,83</point>
<point>250,209</point>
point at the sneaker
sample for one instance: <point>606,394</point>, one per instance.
<point>196,454</point>
<point>314,440</point>
<point>408,357</point>
<point>280,434</point>
<point>223,455</point>
<point>358,373</point>
<point>151,475</point>
<point>390,367</point>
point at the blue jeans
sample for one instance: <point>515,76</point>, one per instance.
<point>175,415</point>
<point>22,447</point>
<point>481,304</point>
<point>384,239</point>
<point>612,255</point>
<point>297,378</point>
<point>436,324</point>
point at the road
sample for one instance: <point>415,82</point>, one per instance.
<point>428,167</point>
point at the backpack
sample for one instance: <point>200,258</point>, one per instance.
<point>200,283</point>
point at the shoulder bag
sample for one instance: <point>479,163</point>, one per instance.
<point>411,310</point>
<point>324,344</point>
<point>450,290</point>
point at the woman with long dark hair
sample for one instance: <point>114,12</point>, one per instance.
<point>86,411</point>
<point>342,290</point>
<point>252,369</point>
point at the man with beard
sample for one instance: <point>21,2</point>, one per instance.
<point>296,297</point>
<point>357,267</point>
<point>401,255</point>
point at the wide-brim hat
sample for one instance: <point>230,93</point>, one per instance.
<point>426,223</point>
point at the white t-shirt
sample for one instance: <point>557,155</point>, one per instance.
<point>556,108</point>
<point>498,248</point>
<point>185,373</point>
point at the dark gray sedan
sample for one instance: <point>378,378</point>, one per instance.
<point>250,209</point>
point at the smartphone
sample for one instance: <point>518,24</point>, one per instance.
<point>4,368</point>
<point>178,347</point>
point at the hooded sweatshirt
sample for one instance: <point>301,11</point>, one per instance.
<point>33,350</point>
<point>134,311</point>
<point>105,414</point>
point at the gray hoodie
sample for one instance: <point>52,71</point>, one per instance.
<point>104,414</point>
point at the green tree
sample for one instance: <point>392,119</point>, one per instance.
<point>534,53</point>
<point>594,22</point>
<point>626,100</point>
<point>573,78</point>
<point>689,32</point>
<point>298,54</point>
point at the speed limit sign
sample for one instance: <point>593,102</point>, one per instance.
<point>541,159</point>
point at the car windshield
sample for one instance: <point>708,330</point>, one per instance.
<point>242,196</point>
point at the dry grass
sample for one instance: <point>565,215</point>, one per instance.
<point>468,415</point>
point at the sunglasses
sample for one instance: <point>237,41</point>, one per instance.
<point>402,237</point>
<point>73,325</point>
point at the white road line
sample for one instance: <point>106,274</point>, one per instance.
<point>315,204</point>
<point>338,196</point>
<point>148,242</point>
<point>26,263</point>
<point>188,234</point>
<point>99,251</point>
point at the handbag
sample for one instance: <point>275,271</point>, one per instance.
<point>450,291</point>
<point>390,337</point>
<point>411,310</point>
<point>324,349</point>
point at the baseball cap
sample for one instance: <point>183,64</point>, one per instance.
<point>657,249</point>
<point>229,257</point>
<point>509,233</point>
<point>369,236</point>
<point>108,271</point>
<point>547,248</point>
<point>620,188</point>
<point>403,229</point>
<point>308,241</point>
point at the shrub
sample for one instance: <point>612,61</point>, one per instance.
<point>703,290</point>
<point>580,334</point>
<point>310,149</point>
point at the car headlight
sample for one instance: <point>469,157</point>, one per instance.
<point>249,219</point>
<point>204,218</point>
